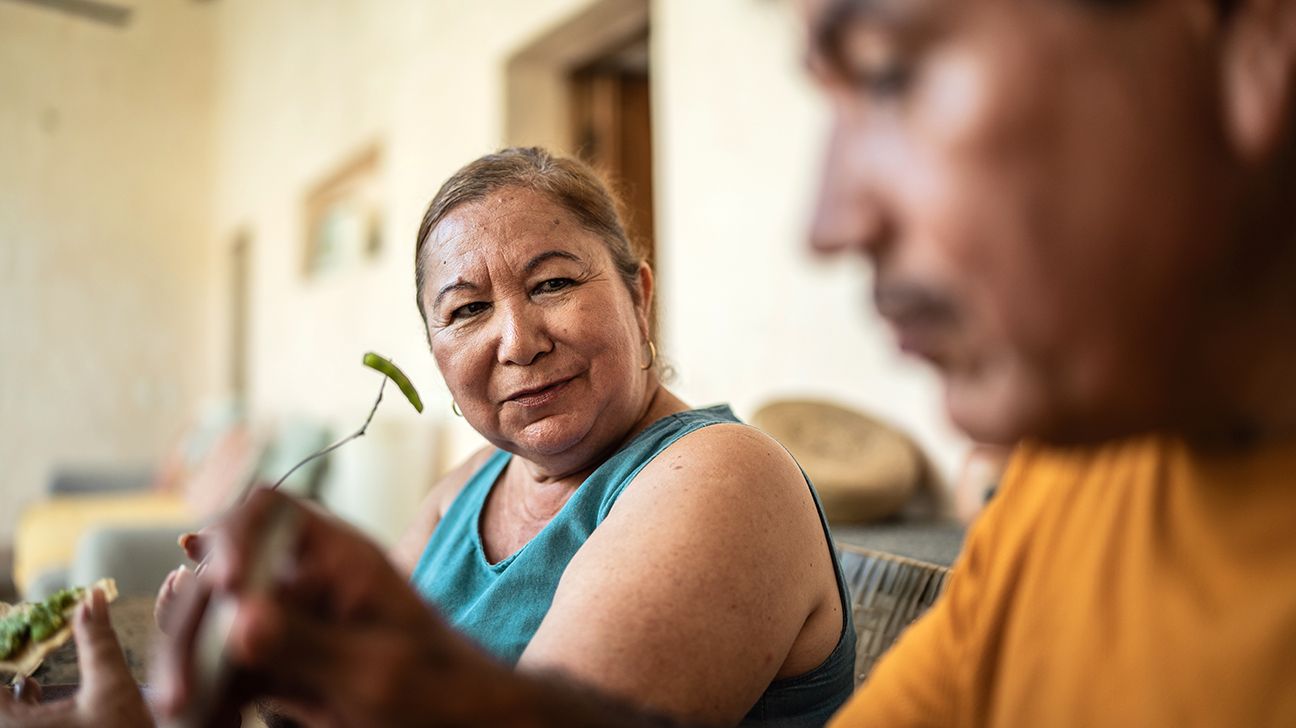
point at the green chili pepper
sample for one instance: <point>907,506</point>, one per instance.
<point>392,372</point>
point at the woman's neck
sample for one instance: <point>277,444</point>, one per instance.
<point>657,402</point>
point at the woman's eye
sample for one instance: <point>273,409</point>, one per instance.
<point>554,284</point>
<point>468,310</point>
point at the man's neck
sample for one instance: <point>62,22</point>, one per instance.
<point>1245,384</point>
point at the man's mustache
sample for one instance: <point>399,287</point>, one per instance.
<point>913,304</point>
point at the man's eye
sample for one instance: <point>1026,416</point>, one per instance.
<point>876,63</point>
<point>468,310</point>
<point>554,284</point>
<point>887,81</point>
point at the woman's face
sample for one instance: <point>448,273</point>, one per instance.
<point>537,335</point>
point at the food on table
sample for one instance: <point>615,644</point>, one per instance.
<point>31,631</point>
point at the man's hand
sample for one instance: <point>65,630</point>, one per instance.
<point>341,634</point>
<point>108,696</point>
<point>339,629</point>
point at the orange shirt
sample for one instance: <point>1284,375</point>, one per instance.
<point>1142,583</point>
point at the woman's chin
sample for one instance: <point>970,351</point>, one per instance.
<point>551,436</point>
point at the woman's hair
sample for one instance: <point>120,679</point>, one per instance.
<point>569,182</point>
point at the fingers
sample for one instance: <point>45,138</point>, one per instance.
<point>28,691</point>
<point>8,704</point>
<point>177,582</point>
<point>330,564</point>
<point>172,669</point>
<point>268,652</point>
<point>295,653</point>
<point>349,671</point>
<point>313,624</point>
<point>232,545</point>
<point>194,546</point>
<point>236,539</point>
<point>25,713</point>
<point>165,601</point>
<point>103,664</point>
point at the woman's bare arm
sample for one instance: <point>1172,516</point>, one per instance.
<point>710,578</point>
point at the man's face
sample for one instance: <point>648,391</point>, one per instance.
<point>1040,185</point>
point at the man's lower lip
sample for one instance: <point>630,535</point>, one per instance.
<point>542,397</point>
<point>917,342</point>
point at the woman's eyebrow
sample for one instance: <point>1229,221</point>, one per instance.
<point>459,285</point>
<point>548,254</point>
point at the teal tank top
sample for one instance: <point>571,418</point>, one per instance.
<point>501,605</point>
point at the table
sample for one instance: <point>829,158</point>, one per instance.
<point>132,617</point>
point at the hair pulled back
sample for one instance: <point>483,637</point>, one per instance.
<point>570,183</point>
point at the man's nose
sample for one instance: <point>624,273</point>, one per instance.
<point>848,215</point>
<point>523,336</point>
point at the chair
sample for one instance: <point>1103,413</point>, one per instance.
<point>887,593</point>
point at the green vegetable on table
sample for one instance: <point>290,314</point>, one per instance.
<point>36,622</point>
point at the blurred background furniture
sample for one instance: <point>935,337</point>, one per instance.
<point>863,468</point>
<point>124,524</point>
<point>887,593</point>
<point>877,489</point>
<point>937,541</point>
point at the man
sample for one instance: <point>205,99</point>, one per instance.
<point>1082,212</point>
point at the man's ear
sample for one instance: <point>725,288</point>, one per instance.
<point>1259,74</point>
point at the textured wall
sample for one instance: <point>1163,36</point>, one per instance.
<point>105,174</point>
<point>242,105</point>
<point>749,313</point>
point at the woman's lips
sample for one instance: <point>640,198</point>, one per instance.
<point>540,397</point>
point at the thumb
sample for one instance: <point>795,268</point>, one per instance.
<point>103,664</point>
<point>28,691</point>
<point>194,545</point>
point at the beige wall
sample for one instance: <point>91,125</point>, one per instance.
<point>300,91</point>
<point>241,112</point>
<point>105,170</point>
<point>748,313</point>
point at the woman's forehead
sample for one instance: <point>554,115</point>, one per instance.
<point>509,227</point>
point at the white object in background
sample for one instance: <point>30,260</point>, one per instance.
<point>376,482</point>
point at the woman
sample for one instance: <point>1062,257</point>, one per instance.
<point>608,531</point>
<point>669,556</point>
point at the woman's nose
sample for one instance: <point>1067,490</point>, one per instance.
<point>523,336</point>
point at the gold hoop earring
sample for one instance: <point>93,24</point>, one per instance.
<point>652,356</point>
<point>454,407</point>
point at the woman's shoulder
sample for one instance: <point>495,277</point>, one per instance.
<point>725,464</point>
<point>727,439</point>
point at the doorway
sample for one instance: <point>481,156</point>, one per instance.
<point>584,88</point>
<point>611,123</point>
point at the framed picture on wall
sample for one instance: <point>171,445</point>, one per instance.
<point>344,221</point>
